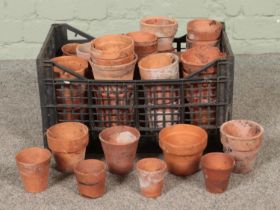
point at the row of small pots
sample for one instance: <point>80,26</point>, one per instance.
<point>182,146</point>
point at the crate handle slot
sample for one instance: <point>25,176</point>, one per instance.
<point>69,71</point>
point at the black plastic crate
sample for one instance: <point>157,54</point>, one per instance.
<point>146,105</point>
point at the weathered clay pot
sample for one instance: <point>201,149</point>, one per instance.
<point>68,143</point>
<point>145,43</point>
<point>164,28</point>
<point>217,167</point>
<point>182,146</point>
<point>196,57</point>
<point>33,165</point>
<point>113,62</point>
<point>113,46</point>
<point>242,139</point>
<point>151,172</point>
<point>69,49</point>
<point>204,29</point>
<point>74,63</point>
<point>91,175</point>
<point>196,43</point>
<point>83,51</point>
<point>119,144</point>
<point>118,72</point>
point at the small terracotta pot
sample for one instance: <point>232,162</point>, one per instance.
<point>33,165</point>
<point>159,66</point>
<point>113,62</point>
<point>242,139</point>
<point>204,29</point>
<point>163,27</point>
<point>196,57</point>
<point>83,51</point>
<point>69,49</point>
<point>113,46</point>
<point>196,43</point>
<point>145,43</point>
<point>182,146</point>
<point>217,167</point>
<point>91,175</point>
<point>68,143</point>
<point>118,72</point>
<point>151,172</point>
<point>119,144</point>
<point>74,63</point>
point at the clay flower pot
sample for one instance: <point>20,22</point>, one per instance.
<point>196,43</point>
<point>69,49</point>
<point>113,62</point>
<point>164,28</point>
<point>91,175</point>
<point>74,63</point>
<point>182,146</point>
<point>116,72</point>
<point>33,165</point>
<point>119,144</point>
<point>112,46</point>
<point>145,43</point>
<point>242,139</point>
<point>204,30</point>
<point>83,51</point>
<point>151,172</point>
<point>68,143</point>
<point>217,167</point>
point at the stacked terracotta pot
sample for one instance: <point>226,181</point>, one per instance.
<point>68,143</point>
<point>164,28</point>
<point>201,92</point>
<point>70,95</point>
<point>156,67</point>
<point>242,139</point>
<point>113,58</point>
<point>182,147</point>
<point>203,32</point>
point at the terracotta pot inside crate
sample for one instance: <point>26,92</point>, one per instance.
<point>196,43</point>
<point>83,51</point>
<point>69,49</point>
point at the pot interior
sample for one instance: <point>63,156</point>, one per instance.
<point>141,36</point>
<point>154,61</point>
<point>68,130</point>
<point>33,155</point>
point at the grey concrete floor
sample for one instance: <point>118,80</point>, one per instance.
<point>256,97</point>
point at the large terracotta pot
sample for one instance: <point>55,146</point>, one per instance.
<point>182,146</point>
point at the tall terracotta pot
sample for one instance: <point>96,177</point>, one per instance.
<point>33,164</point>
<point>182,146</point>
<point>119,144</point>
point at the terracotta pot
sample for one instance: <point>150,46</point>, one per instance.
<point>160,118</point>
<point>204,29</point>
<point>33,165</point>
<point>118,72</point>
<point>74,63</point>
<point>119,144</point>
<point>195,58</point>
<point>217,167</point>
<point>68,143</point>
<point>203,115</point>
<point>159,66</point>
<point>196,43</point>
<point>69,49</point>
<point>151,172</point>
<point>113,62</point>
<point>182,146</point>
<point>66,114</point>
<point>83,51</point>
<point>242,139</point>
<point>163,27</point>
<point>91,175</point>
<point>112,46</point>
<point>145,43</point>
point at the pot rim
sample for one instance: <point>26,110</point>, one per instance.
<point>117,144</point>
<point>84,63</point>
<point>153,41</point>
<point>69,44</point>
<point>160,161</point>
<point>76,171</point>
<point>173,20</point>
<point>49,155</point>
<point>222,155</point>
<point>175,61</point>
<point>203,140</point>
<point>242,138</point>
